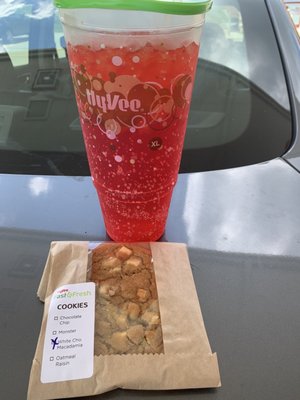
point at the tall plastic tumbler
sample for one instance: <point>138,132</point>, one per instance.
<point>133,64</point>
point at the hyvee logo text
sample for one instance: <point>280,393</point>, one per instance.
<point>112,102</point>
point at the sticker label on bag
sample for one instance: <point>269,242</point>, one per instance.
<point>69,339</point>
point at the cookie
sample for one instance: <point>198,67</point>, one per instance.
<point>127,310</point>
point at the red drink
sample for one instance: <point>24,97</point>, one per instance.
<point>133,106</point>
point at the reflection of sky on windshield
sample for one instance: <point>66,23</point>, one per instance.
<point>223,38</point>
<point>43,9</point>
<point>8,7</point>
<point>216,48</point>
<point>40,8</point>
<point>223,42</point>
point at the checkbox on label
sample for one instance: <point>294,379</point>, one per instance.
<point>55,318</point>
<point>51,358</point>
<point>54,332</point>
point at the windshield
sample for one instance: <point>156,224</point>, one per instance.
<point>240,112</point>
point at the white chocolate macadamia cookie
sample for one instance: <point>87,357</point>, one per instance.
<point>127,310</point>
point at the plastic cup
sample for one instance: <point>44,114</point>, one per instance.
<point>133,74</point>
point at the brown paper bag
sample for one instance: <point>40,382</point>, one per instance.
<point>185,342</point>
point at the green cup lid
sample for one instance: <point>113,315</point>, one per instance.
<point>178,7</point>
